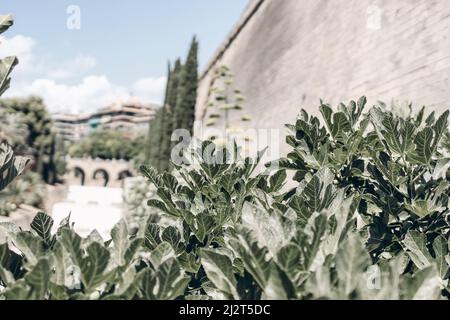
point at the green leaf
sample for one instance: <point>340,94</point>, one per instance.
<point>337,123</point>
<point>127,286</point>
<point>255,258</point>
<point>6,22</point>
<point>167,283</point>
<point>352,261</point>
<point>423,285</point>
<point>93,267</point>
<point>204,225</point>
<point>162,252</point>
<point>218,268</point>
<point>5,255</point>
<point>440,249</point>
<point>31,246</point>
<point>441,168</point>
<point>172,236</point>
<point>289,259</point>
<point>19,291</point>
<point>277,288</point>
<point>277,180</point>
<point>119,235</point>
<point>440,127</point>
<point>58,292</point>
<point>166,197</point>
<point>415,243</point>
<point>6,66</point>
<point>61,262</point>
<point>317,194</point>
<point>152,236</point>
<point>152,174</point>
<point>39,278</point>
<point>10,165</point>
<point>272,230</point>
<point>424,149</point>
<point>155,203</point>
<point>133,249</point>
<point>313,239</point>
<point>189,262</point>
<point>42,224</point>
<point>72,243</point>
<point>362,101</point>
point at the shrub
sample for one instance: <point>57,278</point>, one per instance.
<point>108,144</point>
<point>396,166</point>
<point>29,190</point>
<point>10,165</point>
<point>39,139</point>
<point>136,192</point>
<point>234,233</point>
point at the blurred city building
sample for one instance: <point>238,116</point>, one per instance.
<point>130,116</point>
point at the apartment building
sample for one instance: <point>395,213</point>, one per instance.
<point>129,116</point>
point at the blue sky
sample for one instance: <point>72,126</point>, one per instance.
<point>121,47</point>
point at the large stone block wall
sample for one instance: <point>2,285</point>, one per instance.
<point>288,54</point>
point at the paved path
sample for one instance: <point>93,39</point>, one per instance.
<point>90,208</point>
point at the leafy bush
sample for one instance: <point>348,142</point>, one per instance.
<point>233,233</point>
<point>136,192</point>
<point>108,144</point>
<point>63,265</point>
<point>396,166</point>
<point>29,190</point>
<point>10,165</point>
<point>368,219</point>
<point>39,139</point>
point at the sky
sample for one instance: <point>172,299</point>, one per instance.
<point>81,55</point>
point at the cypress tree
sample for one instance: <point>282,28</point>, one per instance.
<point>171,98</point>
<point>153,135</point>
<point>178,110</point>
<point>184,112</point>
<point>163,122</point>
<point>175,79</point>
<point>148,145</point>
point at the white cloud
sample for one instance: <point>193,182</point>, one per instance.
<point>150,89</point>
<point>90,94</point>
<point>47,79</point>
<point>73,67</point>
<point>22,47</point>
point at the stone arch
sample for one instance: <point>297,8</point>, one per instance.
<point>79,173</point>
<point>104,174</point>
<point>122,175</point>
<point>110,173</point>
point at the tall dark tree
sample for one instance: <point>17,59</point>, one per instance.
<point>174,82</point>
<point>165,120</point>
<point>167,126</point>
<point>40,139</point>
<point>154,129</point>
<point>152,139</point>
<point>178,110</point>
<point>184,111</point>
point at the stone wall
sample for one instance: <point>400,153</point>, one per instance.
<point>287,54</point>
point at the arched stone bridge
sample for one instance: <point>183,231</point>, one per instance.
<point>97,172</point>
